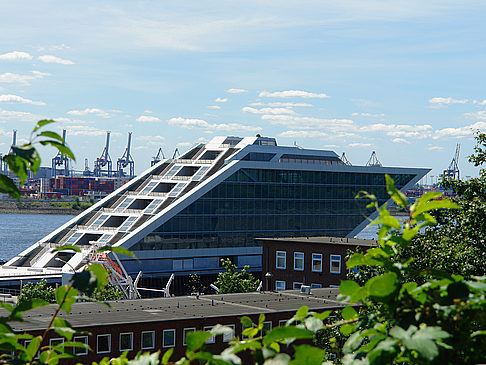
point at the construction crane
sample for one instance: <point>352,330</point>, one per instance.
<point>345,160</point>
<point>158,157</point>
<point>126,160</point>
<point>60,160</point>
<point>452,172</point>
<point>373,161</point>
<point>104,160</point>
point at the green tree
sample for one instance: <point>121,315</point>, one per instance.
<point>235,281</point>
<point>38,290</point>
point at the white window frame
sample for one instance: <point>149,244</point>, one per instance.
<point>317,257</point>
<point>269,324</point>
<point>295,259</point>
<point>211,339</point>
<point>316,286</point>
<point>282,322</point>
<point>277,282</point>
<point>120,341</point>
<point>58,339</point>
<point>77,350</point>
<point>164,345</point>
<point>296,285</point>
<point>333,259</point>
<point>185,331</point>
<point>280,253</point>
<point>228,337</point>
<point>108,335</point>
<point>153,340</point>
<point>26,344</point>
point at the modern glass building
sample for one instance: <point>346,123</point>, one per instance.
<point>183,215</point>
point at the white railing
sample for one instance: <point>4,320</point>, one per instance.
<point>181,177</point>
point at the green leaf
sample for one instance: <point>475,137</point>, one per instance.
<point>313,324</point>
<point>42,123</point>
<point>352,343</point>
<point>33,347</point>
<point>458,290</point>
<point>347,329</point>
<point>65,151</point>
<point>7,186</point>
<point>196,340</point>
<point>63,328</point>
<point>18,166</point>
<point>434,204</point>
<point>348,287</point>
<point>397,196</point>
<point>322,316</point>
<point>51,134</point>
<point>29,304</point>
<point>302,312</point>
<point>349,313</point>
<point>100,273</point>
<point>308,355</point>
<point>382,286</point>
<point>86,281</point>
<point>67,248</point>
<point>66,296</point>
<point>283,333</point>
<point>166,357</point>
<point>117,249</point>
<point>246,321</point>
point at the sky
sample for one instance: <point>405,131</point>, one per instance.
<point>403,78</point>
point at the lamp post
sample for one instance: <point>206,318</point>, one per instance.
<point>267,278</point>
<point>66,263</point>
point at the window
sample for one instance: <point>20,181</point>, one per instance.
<point>168,338</point>
<point>148,340</point>
<point>317,262</point>
<point>297,285</point>
<point>78,350</point>
<point>55,341</point>
<point>282,322</point>
<point>281,260</point>
<point>279,285</point>
<point>126,341</point>
<point>267,327</point>
<point>299,261</point>
<point>316,286</point>
<point>211,339</point>
<point>336,264</point>
<point>186,332</point>
<point>227,337</point>
<point>26,344</point>
<point>103,344</point>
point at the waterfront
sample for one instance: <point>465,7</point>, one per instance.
<point>19,231</point>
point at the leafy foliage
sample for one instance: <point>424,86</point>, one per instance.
<point>234,281</point>
<point>38,290</point>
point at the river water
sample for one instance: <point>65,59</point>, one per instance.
<point>19,231</point>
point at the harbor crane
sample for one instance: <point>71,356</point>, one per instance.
<point>373,161</point>
<point>452,172</point>
<point>157,158</point>
<point>4,165</point>
<point>345,159</point>
<point>104,160</point>
<point>60,160</point>
<point>176,154</point>
<point>126,160</point>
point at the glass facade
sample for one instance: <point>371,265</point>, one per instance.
<point>271,203</point>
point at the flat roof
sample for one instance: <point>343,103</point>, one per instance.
<point>324,240</point>
<point>86,314</point>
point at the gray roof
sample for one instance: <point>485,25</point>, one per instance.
<point>181,308</point>
<point>324,240</point>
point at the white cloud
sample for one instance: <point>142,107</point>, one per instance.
<point>278,103</point>
<point>459,132</point>
<point>303,134</point>
<point>213,107</point>
<point>95,111</point>
<point>479,102</point>
<point>248,109</point>
<point>151,140</point>
<point>147,118</point>
<point>189,123</point>
<point>371,115</point>
<point>400,140</point>
<point>15,55</point>
<point>291,94</point>
<point>401,130</point>
<point>184,144</point>
<point>9,98</point>
<point>435,148</point>
<point>148,111</point>
<point>221,100</point>
<point>84,130</point>
<point>447,101</point>
<point>236,91</point>
<point>290,121</point>
<point>20,116</point>
<point>54,59</point>
<point>9,77</point>
<point>481,114</point>
<point>357,144</point>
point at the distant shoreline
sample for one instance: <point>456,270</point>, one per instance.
<point>35,207</point>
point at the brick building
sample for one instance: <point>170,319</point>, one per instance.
<point>314,261</point>
<point>163,323</point>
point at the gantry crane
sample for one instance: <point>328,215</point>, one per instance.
<point>452,172</point>
<point>60,160</point>
<point>104,160</point>
<point>126,160</point>
<point>345,160</point>
<point>373,161</point>
<point>4,165</point>
<point>158,157</point>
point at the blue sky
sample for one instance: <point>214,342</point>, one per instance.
<point>403,78</point>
